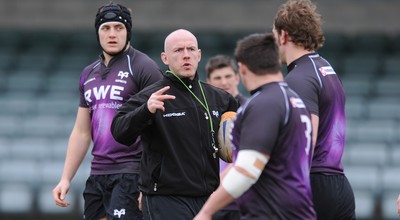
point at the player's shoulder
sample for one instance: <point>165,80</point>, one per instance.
<point>303,76</point>
<point>139,56</point>
<point>268,95</point>
<point>91,67</point>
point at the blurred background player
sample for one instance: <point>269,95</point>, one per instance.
<point>121,71</point>
<point>222,72</point>
<point>178,120</point>
<point>270,178</point>
<point>297,28</point>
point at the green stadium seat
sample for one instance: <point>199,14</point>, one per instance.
<point>368,43</point>
<point>384,108</point>
<point>35,61</point>
<point>360,66</point>
<point>82,43</point>
<point>46,203</point>
<point>365,204</point>
<point>387,88</point>
<point>358,179</point>
<point>355,108</point>
<point>43,41</point>
<point>357,86</point>
<point>21,171</point>
<point>16,199</point>
<point>230,39</point>
<point>10,41</point>
<point>367,154</point>
<point>390,181</point>
<point>394,42</point>
<point>335,44</point>
<point>391,66</point>
<point>389,207</point>
<point>394,155</point>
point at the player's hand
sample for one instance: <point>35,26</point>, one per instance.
<point>140,201</point>
<point>156,100</point>
<point>398,205</point>
<point>60,193</point>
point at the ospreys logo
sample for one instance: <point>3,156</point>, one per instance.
<point>122,75</point>
<point>119,212</point>
<point>215,113</point>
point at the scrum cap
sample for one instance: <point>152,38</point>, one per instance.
<point>114,12</point>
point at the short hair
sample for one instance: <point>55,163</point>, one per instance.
<point>302,22</point>
<point>220,61</point>
<point>259,52</point>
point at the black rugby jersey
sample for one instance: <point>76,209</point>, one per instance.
<point>317,83</point>
<point>275,121</point>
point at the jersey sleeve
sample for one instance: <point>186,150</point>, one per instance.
<point>146,71</point>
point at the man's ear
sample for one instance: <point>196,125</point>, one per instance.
<point>283,37</point>
<point>199,55</point>
<point>242,68</point>
<point>164,58</point>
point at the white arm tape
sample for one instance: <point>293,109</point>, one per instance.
<point>237,182</point>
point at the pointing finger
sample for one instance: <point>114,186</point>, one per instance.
<point>162,90</point>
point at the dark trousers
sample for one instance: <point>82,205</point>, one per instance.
<point>165,207</point>
<point>114,196</point>
<point>333,197</point>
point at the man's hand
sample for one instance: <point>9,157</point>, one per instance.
<point>60,192</point>
<point>156,100</point>
<point>140,201</point>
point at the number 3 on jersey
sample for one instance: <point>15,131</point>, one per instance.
<point>306,120</point>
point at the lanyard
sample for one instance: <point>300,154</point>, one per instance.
<point>205,106</point>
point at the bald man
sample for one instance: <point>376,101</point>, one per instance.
<point>177,119</point>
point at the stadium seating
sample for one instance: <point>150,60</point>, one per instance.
<point>335,45</point>
<point>368,43</point>
<point>391,66</point>
<point>16,198</point>
<point>383,109</point>
<point>365,204</point>
<point>360,66</point>
<point>389,208</point>
<point>361,86</point>
<point>39,99</point>
<point>367,153</point>
<point>388,88</point>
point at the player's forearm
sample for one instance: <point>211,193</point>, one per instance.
<point>78,146</point>
<point>218,200</point>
